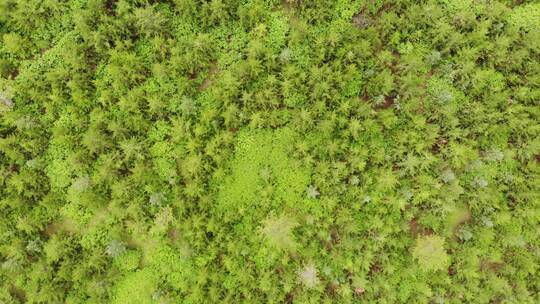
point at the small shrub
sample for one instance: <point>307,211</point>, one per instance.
<point>430,253</point>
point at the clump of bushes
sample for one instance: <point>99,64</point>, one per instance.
<point>263,151</point>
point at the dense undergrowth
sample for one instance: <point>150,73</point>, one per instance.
<point>228,151</point>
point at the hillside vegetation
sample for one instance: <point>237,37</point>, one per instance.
<point>265,151</point>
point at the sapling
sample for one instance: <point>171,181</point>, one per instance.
<point>308,276</point>
<point>115,248</point>
<point>5,100</point>
<point>448,176</point>
<point>278,231</point>
<point>433,58</point>
<point>312,192</point>
<point>480,182</point>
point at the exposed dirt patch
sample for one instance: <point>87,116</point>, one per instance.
<point>374,269</point>
<point>334,238</point>
<point>65,225</point>
<point>361,20</point>
<point>173,235</point>
<point>486,265</point>
<point>14,73</point>
<point>289,297</point>
<point>18,293</point>
<point>441,142</point>
<point>512,201</point>
<point>332,288</point>
<point>451,270</point>
<point>51,229</point>
<point>288,5</point>
<point>388,102</point>
<point>209,79</point>
<point>334,234</point>
<point>416,228</point>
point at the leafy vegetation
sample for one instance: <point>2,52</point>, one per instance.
<point>263,151</point>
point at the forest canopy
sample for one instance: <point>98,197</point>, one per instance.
<point>265,151</point>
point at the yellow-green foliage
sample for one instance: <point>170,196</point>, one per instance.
<point>137,287</point>
<point>263,175</point>
<point>268,151</point>
<point>430,253</point>
<point>526,17</point>
<point>278,231</point>
<point>128,261</point>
